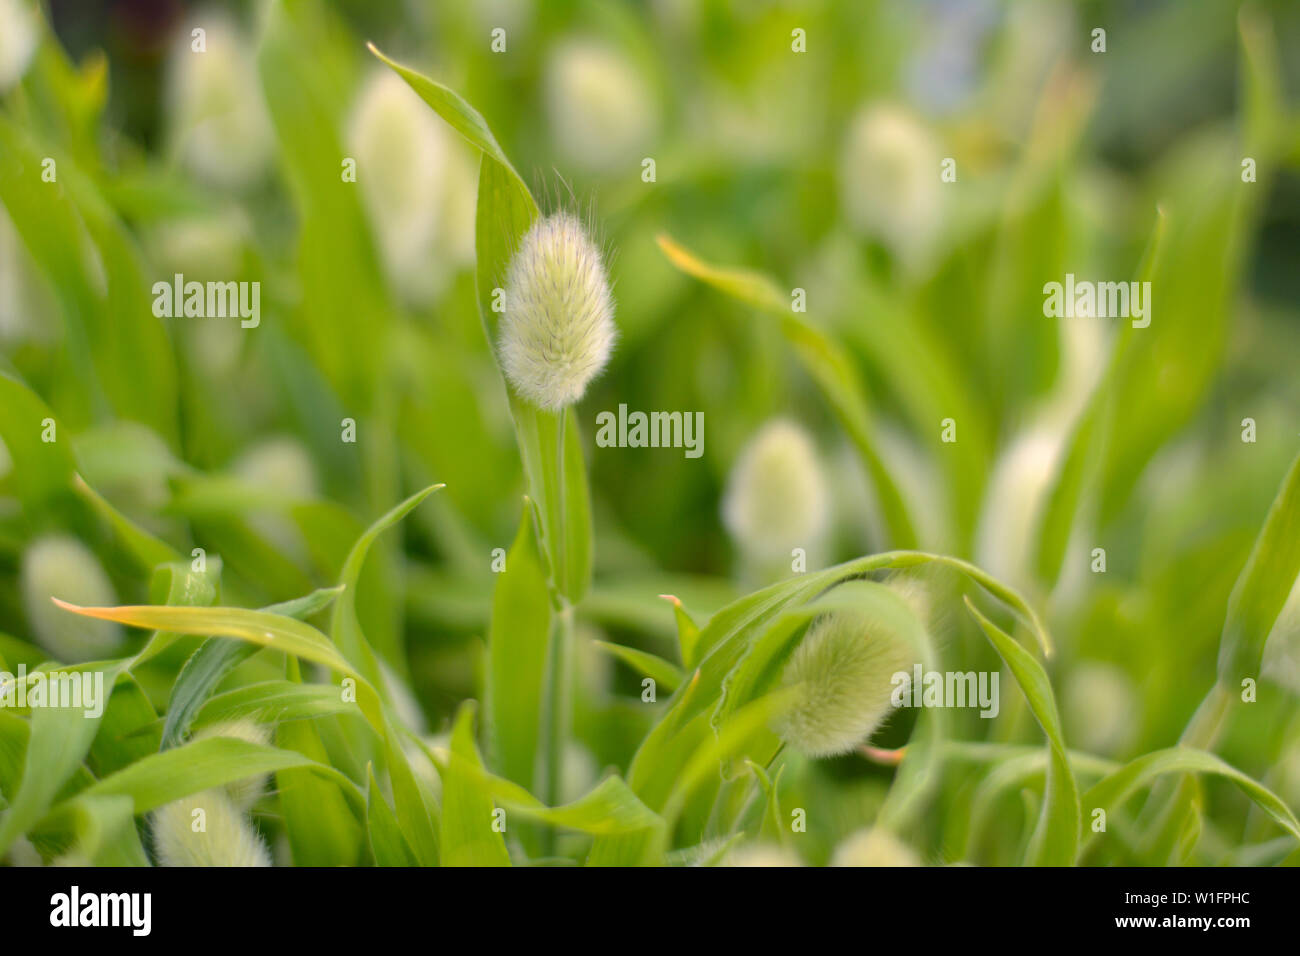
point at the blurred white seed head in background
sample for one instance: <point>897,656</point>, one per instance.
<point>417,183</point>
<point>19,32</point>
<point>62,567</point>
<point>227,837</point>
<point>776,498</point>
<point>280,464</point>
<point>1013,506</point>
<point>889,182</point>
<point>1100,707</point>
<point>558,330</point>
<point>761,854</point>
<point>874,847</point>
<point>601,111</point>
<point>218,121</point>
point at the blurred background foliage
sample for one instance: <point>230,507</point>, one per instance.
<point>819,169</point>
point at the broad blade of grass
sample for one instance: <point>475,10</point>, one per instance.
<point>42,471</point>
<point>164,777</point>
<point>273,701</point>
<point>517,645</point>
<point>469,836</point>
<point>60,738</point>
<point>344,624</point>
<point>216,658</point>
<point>1110,792</point>
<point>666,675</point>
<point>386,842</point>
<point>1056,838</point>
<point>1262,589</point>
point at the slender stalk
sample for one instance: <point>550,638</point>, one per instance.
<point>559,662</point>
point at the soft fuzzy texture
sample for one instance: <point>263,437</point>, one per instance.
<point>62,567</point>
<point>874,847</point>
<point>776,496</point>
<point>227,837</point>
<point>842,671</point>
<point>558,328</point>
<point>243,792</point>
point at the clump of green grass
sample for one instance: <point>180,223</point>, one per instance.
<point>282,713</point>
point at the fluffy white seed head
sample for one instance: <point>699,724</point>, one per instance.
<point>417,184</point>
<point>18,35</point>
<point>761,854</point>
<point>219,124</point>
<point>1100,707</point>
<point>558,327</point>
<point>842,674</point>
<point>243,793</point>
<point>221,835</point>
<point>874,847</point>
<point>602,115</point>
<point>281,465</point>
<point>63,567</point>
<point>776,496</point>
<point>889,181</point>
<point>1013,505</point>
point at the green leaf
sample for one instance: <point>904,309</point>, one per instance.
<point>41,470</point>
<point>1080,466</point>
<point>665,674</point>
<point>386,841</point>
<point>345,307</point>
<point>1056,839</point>
<point>459,115</point>
<point>60,738</point>
<point>320,827</point>
<point>824,361</point>
<point>414,817</point>
<point>217,657</point>
<point>148,550</point>
<point>274,701</point>
<point>164,777</point>
<point>1262,588</point>
<point>1110,792</point>
<point>257,627</point>
<point>177,583</point>
<point>111,337</point>
<point>104,831</point>
<point>344,624</point>
<point>518,637</point>
<point>468,837</point>
<point>688,632</point>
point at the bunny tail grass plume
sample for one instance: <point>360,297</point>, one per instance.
<point>558,327</point>
<point>776,496</point>
<point>18,35</point>
<point>417,184</point>
<point>207,829</point>
<point>243,793</point>
<point>874,847</point>
<point>761,854</point>
<point>218,123</point>
<point>62,567</point>
<point>843,670</point>
<point>889,181</point>
<point>602,114</point>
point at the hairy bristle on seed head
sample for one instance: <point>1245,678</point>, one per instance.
<point>842,674</point>
<point>558,328</point>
